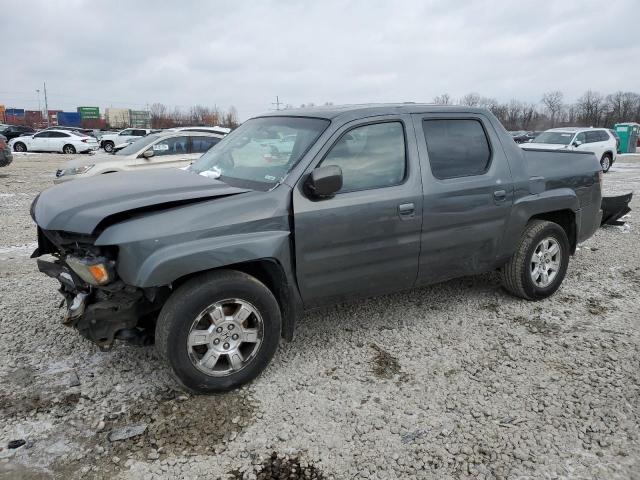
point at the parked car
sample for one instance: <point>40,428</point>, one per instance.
<point>14,131</point>
<point>108,141</point>
<point>85,131</point>
<point>157,150</point>
<point>63,141</point>
<point>6,157</point>
<point>596,140</point>
<point>221,259</point>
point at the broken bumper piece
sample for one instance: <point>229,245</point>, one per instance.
<point>102,314</point>
<point>614,208</point>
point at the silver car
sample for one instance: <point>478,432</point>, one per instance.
<point>157,150</point>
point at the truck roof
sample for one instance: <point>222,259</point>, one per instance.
<point>370,109</point>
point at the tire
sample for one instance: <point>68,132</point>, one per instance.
<point>201,365</point>
<point>605,162</point>
<point>19,147</point>
<point>69,149</point>
<point>518,273</point>
<point>108,146</point>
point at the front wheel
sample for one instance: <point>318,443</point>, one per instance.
<point>605,162</point>
<point>537,268</point>
<point>108,146</point>
<point>19,147</point>
<point>218,331</point>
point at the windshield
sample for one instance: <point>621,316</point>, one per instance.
<point>261,151</point>
<point>138,145</point>
<point>557,138</point>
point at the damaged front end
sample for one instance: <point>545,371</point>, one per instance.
<point>99,305</point>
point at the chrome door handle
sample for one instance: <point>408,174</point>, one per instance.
<point>499,195</point>
<point>407,210</point>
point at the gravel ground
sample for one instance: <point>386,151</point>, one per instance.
<point>458,380</point>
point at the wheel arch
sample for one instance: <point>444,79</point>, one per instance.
<point>272,274</point>
<point>566,218</point>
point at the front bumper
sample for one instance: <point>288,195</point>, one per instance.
<point>102,314</point>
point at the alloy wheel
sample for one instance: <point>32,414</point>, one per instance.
<point>225,337</point>
<point>545,262</point>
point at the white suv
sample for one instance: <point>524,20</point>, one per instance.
<point>109,140</point>
<point>596,140</point>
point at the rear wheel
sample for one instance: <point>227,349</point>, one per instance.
<point>537,268</point>
<point>19,147</point>
<point>108,146</point>
<point>605,162</point>
<point>218,331</point>
<point>68,149</point>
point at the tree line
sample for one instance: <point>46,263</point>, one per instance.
<point>592,109</point>
<point>163,117</point>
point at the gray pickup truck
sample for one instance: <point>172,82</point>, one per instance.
<point>218,261</point>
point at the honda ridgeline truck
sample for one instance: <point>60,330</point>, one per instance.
<point>217,262</point>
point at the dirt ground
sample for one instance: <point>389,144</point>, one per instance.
<point>458,380</point>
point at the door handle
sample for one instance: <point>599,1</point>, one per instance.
<point>500,195</point>
<point>406,210</point>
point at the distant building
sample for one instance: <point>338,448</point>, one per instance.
<point>117,117</point>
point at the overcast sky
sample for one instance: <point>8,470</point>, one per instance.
<point>180,53</point>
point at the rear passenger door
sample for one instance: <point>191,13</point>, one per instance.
<point>366,239</point>
<point>468,192</point>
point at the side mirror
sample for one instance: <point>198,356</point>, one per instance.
<point>324,182</point>
<point>577,143</point>
<point>148,154</point>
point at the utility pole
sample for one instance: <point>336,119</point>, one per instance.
<point>277,103</point>
<point>39,104</point>
<point>46,104</point>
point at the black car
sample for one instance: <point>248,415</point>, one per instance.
<point>14,131</point>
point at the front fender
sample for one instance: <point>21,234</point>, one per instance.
<point>174,261</point>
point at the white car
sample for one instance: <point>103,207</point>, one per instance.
<point>54,141</point>
<point>596,140</point>
<point>157,150</point>
<point>110,140</point>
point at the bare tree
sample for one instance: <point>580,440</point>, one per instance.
<point>590,108</point>
<point>552,102</point>
<point>471,100</point>
<point>444,99</point>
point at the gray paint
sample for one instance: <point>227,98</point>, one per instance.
<point>81,207</point>
<point>354,244</point>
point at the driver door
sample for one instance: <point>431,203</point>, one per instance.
<point>365,240</point>
<point>40,142</point>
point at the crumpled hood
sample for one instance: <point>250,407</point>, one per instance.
<point>543,146</point>
<point>79,206</point>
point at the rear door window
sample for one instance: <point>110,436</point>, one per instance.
<point>202,144</point>
<point>171,146</point>
<point>592,137</point>
<point>456,147</point>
